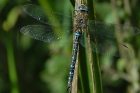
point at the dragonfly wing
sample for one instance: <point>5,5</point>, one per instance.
<point>103,45</point>
<point>45,16</point>
<point>112,30</point>
<point>45,33</point>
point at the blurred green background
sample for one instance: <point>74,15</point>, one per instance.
<point>32,66</point>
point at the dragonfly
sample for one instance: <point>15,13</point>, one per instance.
<point>52,31</point>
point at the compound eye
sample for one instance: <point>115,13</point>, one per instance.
<point>79,8</point>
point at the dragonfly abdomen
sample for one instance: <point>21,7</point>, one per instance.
<point>74,56</point>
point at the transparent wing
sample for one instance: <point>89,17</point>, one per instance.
<point>45,33</point>
<point>103,45</point>
<point>45,16</point>
<point>112,30</point>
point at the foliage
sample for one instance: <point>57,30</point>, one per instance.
<point>32,66</point>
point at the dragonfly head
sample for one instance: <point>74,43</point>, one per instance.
<point>83,7</point>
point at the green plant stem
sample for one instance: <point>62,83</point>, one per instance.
<point>96,73</point>
<point>11,65</point>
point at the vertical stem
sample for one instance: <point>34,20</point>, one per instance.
<point>75,78</point>
<point>94,65</point>
<point>11,65</point>
<point>90,51</point>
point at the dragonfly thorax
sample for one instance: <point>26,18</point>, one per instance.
<point>81,23</point>
<point>81,18</point>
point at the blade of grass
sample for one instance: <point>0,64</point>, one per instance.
<point>94,65</point>
<point>83,71</point>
